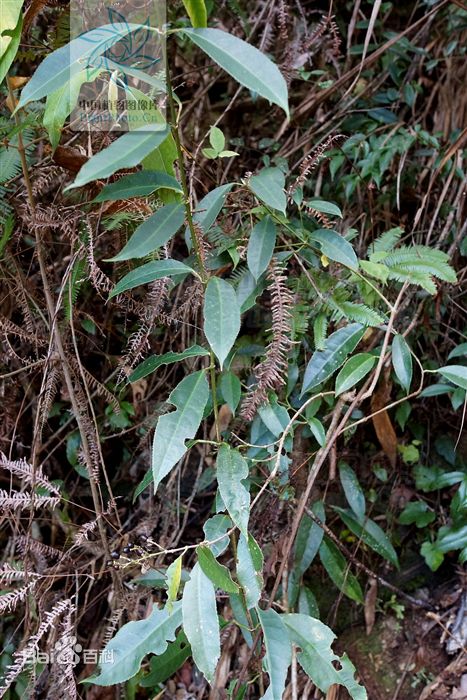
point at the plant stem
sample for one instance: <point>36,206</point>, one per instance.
<point>181,167</point>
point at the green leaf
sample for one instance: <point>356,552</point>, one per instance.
<point>231,389</point>
<point>163,666</point>
<point>174,577</point>
<point>268,186</point>
<point>352,489</point>
<point>432,555</point>
<point>325,207</point>
<point>335,247</point>
<point>231,470</point>
<point>317,658</point>
<point>153,233</point>
<point>209,207</point>
<point>126,152</point>
<point>450,538</point>
<point>249,568</point>
<point>197,13</point>
<point>189,397</point>
<point>133,642</point>
<point>325,362</point>
<point>458,351</point>
<point>61,65</point>
<point>9,43</point>
<point>417,512</point>
<point>457,374</point>
<point>336,566</point>
<point>215,529</point>
<point>246,64</point>
<point>309,538</point>
<point>221,317</point>
<point>216,139</point>
<point>10,16</point>
<point>217,573</point>
<point>60,104</point>
<point>307,603</point>
<point>150,365</point>
<point>261,246</point>
<point>317,428</point>
<point>154,270</point>
<point>140,184</point>
<point>353,371</point>
<point>278,652</point>
<point>402,361</point>
<point>200,622</point>
<point>371,534</point>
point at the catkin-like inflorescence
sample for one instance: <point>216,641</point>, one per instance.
<point>271,372</point>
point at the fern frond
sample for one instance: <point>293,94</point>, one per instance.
<point>21,501</point>
<point>10,601</point>
<point>24,470</point>
<point>387,241</point>
<point>418,278</point>
<point>320,330</point>
<point>421,259</point>
<point>358,313</point>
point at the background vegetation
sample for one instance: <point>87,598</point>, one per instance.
<point>233,361</point>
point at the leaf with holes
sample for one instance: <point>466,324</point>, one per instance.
<point>317,658</point>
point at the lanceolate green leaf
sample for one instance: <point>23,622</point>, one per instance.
<point>60,104</point>
<point>353,371</point>
<point>221,317</point>
<point>335,247</point>
<point>457,374</point>
<point>155,270</point>
<point>325,362</point>
<point>173,429</point>
<point>261,246</point>
<point>268,186</point>
<point>13,21</point>
<point>309,538</point>
<point>150,365</point>
<point>337,568</point>
<point>133,642</point>
<point>61,65</point>
<point>231,469</point>
<point>249,567</point>
<point>140,184</point>
<point>317,657</point>
<point>371,534</point>
<point>402,361</point>
<point>353,491</point>
<point>196,12</point>
<point>164,666</point>
<point>126,152</point>
<point>243,62</point>
<point>154,232</point>
<point>231,390</point>
<point>217,573</point>
<point>200,621</point>
<point>278,652</point>
<point>209,207</point>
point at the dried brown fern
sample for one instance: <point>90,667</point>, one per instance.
<point>271,372</point>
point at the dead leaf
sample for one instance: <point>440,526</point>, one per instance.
<point>382,423</point>
<point>224,418</point>
<point>17,81</point>
<point>69,158</point>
